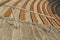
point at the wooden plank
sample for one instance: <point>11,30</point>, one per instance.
<point>36,14</point>
<point>46,13</point>
<point>33,17</point>
<point>8,12</point>
<point>22,12</point>
<point>43,18</point>
<point>57,18</point>
<point>22,15</point>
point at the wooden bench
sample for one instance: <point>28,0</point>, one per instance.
<point>46,13</point>
<point>51,14</point>
<point>33,16</point>
<point>22,12</point>
<point>43,18</point>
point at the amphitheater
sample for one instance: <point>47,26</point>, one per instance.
<point>29,19</point>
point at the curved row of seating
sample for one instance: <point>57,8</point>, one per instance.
<point>54,21</point>
<point>9,11</point>
<point>43,18</point>
<point>53,13</point>
<point>47,13</point>
<point>43,7</point>
<point>22,12</point>
<point>33,17</point>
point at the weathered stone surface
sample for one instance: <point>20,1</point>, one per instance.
<point>27,32</point>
